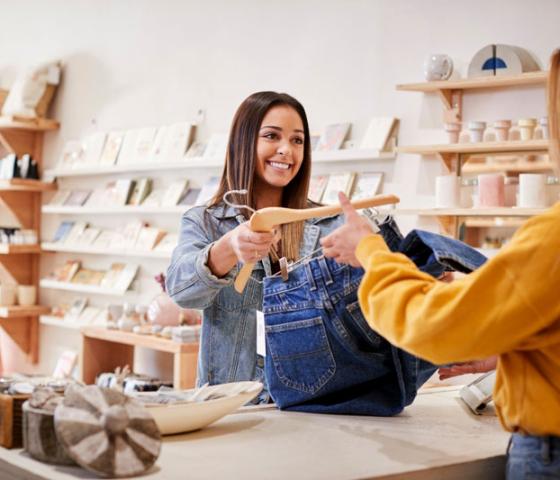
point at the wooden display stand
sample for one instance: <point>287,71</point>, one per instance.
<point>103,350</point>
<point>456,156</point>
<point>22,197</point>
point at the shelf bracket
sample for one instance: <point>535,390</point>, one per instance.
<point>449,225</point>
<point>450,160</point>
<point>453,105</point>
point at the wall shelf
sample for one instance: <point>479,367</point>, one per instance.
<point>55,247</point>
<point>18,311</point>
<point>53,321</point>
<point>64,210</point>
<point>530,146</point>
<point>29,124</point>
<point>494,222</point>
<point>530,78</point>
<point>350,155</point>
<point>25,185</point>
<point>519,167</point>
<point>77,287</point>
<point>11,249</point>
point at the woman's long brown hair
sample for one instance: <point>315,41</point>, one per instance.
<point>241,159</point>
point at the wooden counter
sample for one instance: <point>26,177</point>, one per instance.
<point>437,437</point>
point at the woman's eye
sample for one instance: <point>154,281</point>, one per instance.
<point>298,141</point>
<point>270,135</point>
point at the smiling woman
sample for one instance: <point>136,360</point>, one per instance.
<point>268,156</point>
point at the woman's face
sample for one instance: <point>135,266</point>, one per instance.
<point>280,146</point>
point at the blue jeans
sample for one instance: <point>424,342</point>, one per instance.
<point>323,357</point>
<point>532,457</point>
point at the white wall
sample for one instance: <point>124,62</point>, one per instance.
<point>135,63</point>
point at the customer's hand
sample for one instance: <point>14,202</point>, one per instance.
<point>476,366</point>
<point>341,244</point>
<point>249,246</point>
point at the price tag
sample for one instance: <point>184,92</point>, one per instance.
<point>261,339</point>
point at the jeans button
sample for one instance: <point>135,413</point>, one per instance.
<point>260,361</point>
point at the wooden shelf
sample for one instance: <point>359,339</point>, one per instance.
<point>55,247</point>
<point>149,341</point>
<point>519,167</point>
<point>53,321</point>
<point>18,311</point>
<point>64,210</point>
<point>350,155</point>
<point>77,287</point>
<point>10,249</point>
<point>29,124</point>
<point>535,146</point>
<point>25,185</point>
<point>494,222</point>
<point>470,212</point>
<point>531,78</point>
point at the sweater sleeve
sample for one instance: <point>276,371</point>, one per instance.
<point>504,305</point>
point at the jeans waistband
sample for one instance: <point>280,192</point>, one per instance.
<point>545,445</point>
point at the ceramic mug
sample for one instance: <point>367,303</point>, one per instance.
<point>532,190</point>
<point>447,191</point>
<point>438,66</point>
<point>27,295</point>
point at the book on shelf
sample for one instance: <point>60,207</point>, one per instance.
<point>89,315</point>
<point>144,144</point>
<point>208,190</point>
<point>156,151</point>
<point>142,188</point>
<point>190,197</point>
<point>87,276</point>
<point>62,231</point>
<point>98,198</point>
<point>126,277</point>
<point>154,198</point>
<point>127,153</point>
<point>178,138</point>
<point>333,136</point>
<point>338,182</point>
<point>105,239</point>
<point>77,198</point>
<point>60,197</point>
<point>65,364</point>
<point>128,235</point>
<point>66,272</point>
<point>118,191</point>
<point>380,134</point>
<point>93,146</point>
<point>111,148</point>
<point>196,150</point>
<point>87,237</point>
<point>72,154</point>
<point>314,140</point>
<point>77,307</point>
<point>167,243</point>
<point>367,185</point>
<point>75,232</point>
<point>317,185</point>
<point>174,193</point>
<point>217,146</point>
<point>148,238</point>
<point>112,275</point>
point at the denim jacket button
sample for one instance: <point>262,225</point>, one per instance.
<point>260,361</point>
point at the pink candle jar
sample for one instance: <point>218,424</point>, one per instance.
<point>491,191</point>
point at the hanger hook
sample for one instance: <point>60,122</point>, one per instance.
<point>236,205</point>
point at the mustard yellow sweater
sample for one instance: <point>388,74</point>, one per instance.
<point>509,307</point>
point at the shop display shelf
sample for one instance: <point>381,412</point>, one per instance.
<point>55,247</point>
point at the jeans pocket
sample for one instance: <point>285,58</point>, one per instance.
<point>372,340</point>
<point>301,354</point>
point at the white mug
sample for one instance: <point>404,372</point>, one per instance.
<point>438,66</point>
<point>27,295</point>
<point>532,190</point>
<point>447,191</point>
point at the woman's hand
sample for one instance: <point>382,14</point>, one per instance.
<point>240,244</point>
<point>476,366</point>
<point>341,244</point>
<point>249,246</point>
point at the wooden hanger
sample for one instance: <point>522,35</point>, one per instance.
<point>265,219</point>
<point>553,105</point>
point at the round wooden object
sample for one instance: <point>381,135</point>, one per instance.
<point>107,432</point>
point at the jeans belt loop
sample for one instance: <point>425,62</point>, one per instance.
<point>309,273</point>
<point>545,450</point>
<point>325,270</point>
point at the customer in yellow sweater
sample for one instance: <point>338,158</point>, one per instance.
<point>509,307</point>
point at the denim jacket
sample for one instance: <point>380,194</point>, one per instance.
<point>228,339</point>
